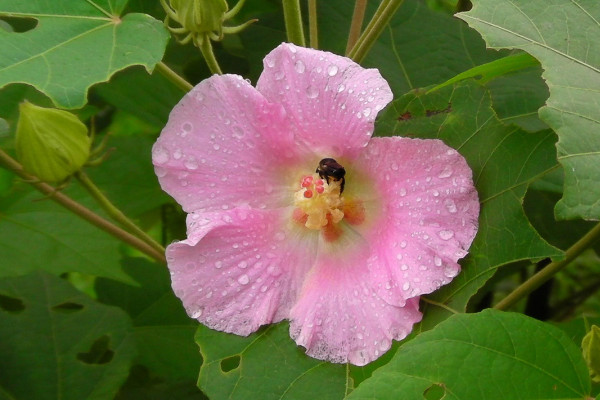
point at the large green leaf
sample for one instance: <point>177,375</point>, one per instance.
<point>266,365</point>
<point>564,36</point>
<point>75,44</point>
<point>56,343</point>
<point>491,355</point>
<point>163,331</point>
<point>504,161</point>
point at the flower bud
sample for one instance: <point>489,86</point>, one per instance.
<point>51,144</point>
<point>591,352</point>
<point>200,16</point>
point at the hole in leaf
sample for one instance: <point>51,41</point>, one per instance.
<point>437,391</point>
<point>19,25</point>
<point>230,363</point>
<point>68,307</point>
<point>11,304</point>
<point>99,352</point>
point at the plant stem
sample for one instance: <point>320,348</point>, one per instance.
<point>356,26</point>
<point>114,212</point>
<point>549,271</point>
<point>438,304</point>
<point>173,77</point>
<point>312,24</point>
<point>382,17</point>
<point>80,210</point>
<point>293,22</point>
<point>207,52</point>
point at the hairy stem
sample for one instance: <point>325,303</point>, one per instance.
<point>549,271</point>
<point>312,24</point>
<point>80,210</point>
<point>114,212</point>
<point>356,26</point>
<point>293,22</point>
<point>173,77</point>
<point>382,17</point>
<point>209,56</point>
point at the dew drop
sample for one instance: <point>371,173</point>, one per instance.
<point>332,70</point>
<point>367,112</point>
<point>341,88</point>
<point>218,264</point>
<point>450,206</point>
<point>300,67</point>
<point>446,235</point>
<point>237,132</point>
<point>403,244</point>
<point>197,314</point>
<point>312,92</point>
<point>264,288</point>
<point>446,173</point>
<point>280,236</point>
<point>160,172</point>
<point>402,192</point>
<point>450,272</point>
<point>177,154</point>
<point>270,62</point>
<point>216,146</point>
<point>187,127</point>
<point>243,264</point>
<point>437,261</point>
<point>191,163</point>
<point>279,75</point>
<point>160,155</point>
<point>394,166</point>
<point>243,280</point>
<point>398,256</point>
<point>406,286</point>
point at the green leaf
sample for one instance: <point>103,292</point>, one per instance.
<point>56,343</point>
<point>62,241</point>
<point>491,355</point>
<point>563,35</point>
<point>76,44</point>
<point>504,161</point>
<point>163,331</point>
<point>266,365</point>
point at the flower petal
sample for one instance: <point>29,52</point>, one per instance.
<point>237,270</point>
<point>430,215</point>
<point>330,100</point>
<point>223,146</point>
<point>340,318</point>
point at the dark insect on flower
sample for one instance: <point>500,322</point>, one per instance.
<point>330,169</point>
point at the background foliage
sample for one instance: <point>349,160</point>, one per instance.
<point>83,315</point>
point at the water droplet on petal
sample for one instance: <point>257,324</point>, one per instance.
<point>332,70</point>
<point>270,62</point>
<point>160,172</point>
<point>243,280</point>
<point>218,264</point>
<point>450,206</point>
<point>437,261</point>
<point>312,92</point>
<point>406,286</point>
<point>237,132</point>
<point>403,244</point>
<point>191,163</point>
<point>242,264</point>
<point>197,314</point>
<point>299,66</point>
<point>160,155</point>
<point>446,173</point>
<point>341,88</point>
<point>451,272</point>
<point>446,235</point>
<point>367,112</point>
<point>279,236</point>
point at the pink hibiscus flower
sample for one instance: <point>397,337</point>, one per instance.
<point>296,213</point>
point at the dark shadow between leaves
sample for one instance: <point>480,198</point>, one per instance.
<point>99,352</point>
<point>11,304</point>
<point>437,391</point>
<point>230,363</point>
<point>68,307</point>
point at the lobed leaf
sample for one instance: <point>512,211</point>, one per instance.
<point>491,355</point>
<point>563,36</point>
<point>57,343</point>
<point>76,44</point>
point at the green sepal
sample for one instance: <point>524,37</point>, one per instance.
<point>200,16</point>
<point>51,144</point>
<point>591,352</point>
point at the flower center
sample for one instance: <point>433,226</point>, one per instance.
<point>317,202</point>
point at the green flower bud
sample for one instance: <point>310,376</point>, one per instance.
<point>591,352</point>
<point>200,16</point>
<point>51,144</point>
